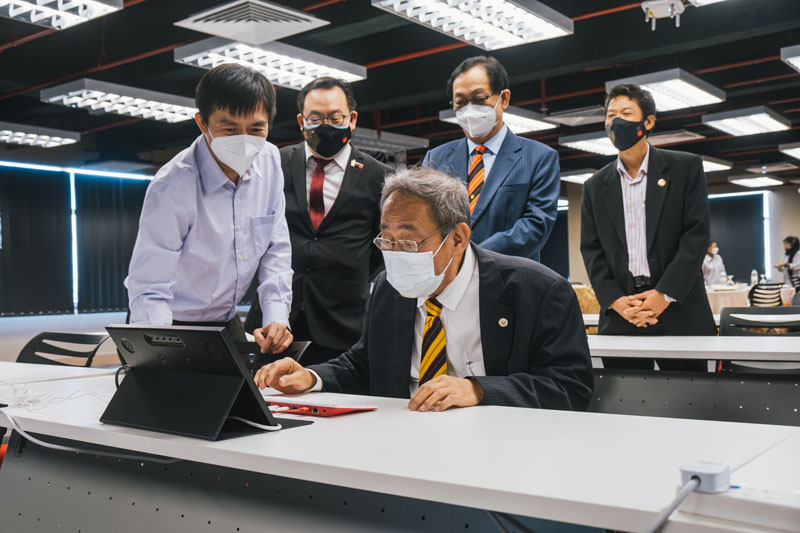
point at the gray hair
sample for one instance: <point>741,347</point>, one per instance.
<point>446,195</point>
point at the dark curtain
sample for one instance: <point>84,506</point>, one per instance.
<point>555,253</point>
<point>737,226</point>
<point>36,256</point>
<point>108,212</point>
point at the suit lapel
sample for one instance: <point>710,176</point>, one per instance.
<point>297,163</point>
<point>352,173</point>
<point>508,156</point>
<point>496,338</point>
<point>403,343</point>
<point>655,194</point>
<point>612,192</point>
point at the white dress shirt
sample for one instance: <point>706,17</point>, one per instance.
<point>492,147</point>
<point>634,192</point>
<point>713,267</point>
<point>462,326</point>
<point>334,175</point>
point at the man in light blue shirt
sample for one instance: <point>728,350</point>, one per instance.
<point>213,218</point>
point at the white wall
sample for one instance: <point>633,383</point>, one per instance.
<point>784,204</point>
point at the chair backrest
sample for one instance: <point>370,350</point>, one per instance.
<point>795,281</point>
<point>796,299</point>
<point>765,295</point>
<point>744,321</point>
<point>750,398</point>
<point>41,349</point>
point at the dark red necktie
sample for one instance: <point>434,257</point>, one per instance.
<point>316,205</point>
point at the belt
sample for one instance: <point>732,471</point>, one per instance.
<point>642,281</point>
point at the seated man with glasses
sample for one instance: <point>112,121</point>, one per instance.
<point>513,182</point>
<point>332,192</point>
<point>451,324</point>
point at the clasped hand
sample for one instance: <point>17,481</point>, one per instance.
<point>642,309</point>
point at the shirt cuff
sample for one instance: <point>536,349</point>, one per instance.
<point>669,299</point>
<point>275,312</point>
<point>317,384</point>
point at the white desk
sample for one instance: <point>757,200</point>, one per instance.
<point>597,470</point>
<point>19,373</point>
<point>591,320</point>
<point>766,348</point>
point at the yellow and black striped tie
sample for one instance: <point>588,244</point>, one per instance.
<point>475,177</point>
<point>434,351</point>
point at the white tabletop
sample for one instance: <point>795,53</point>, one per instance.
<point>594,319</point>
<point>19,373</point>
<point>593,469</point>
<point>764,348</point>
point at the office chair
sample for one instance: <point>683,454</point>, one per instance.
<point>41,349</point>
<point>760,321</point>
<point>765,295</point>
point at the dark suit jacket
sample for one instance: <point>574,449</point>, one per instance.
<point>677,222</point>
<point>540,359</point>
<point>332,265</point>
<point>516,209</point>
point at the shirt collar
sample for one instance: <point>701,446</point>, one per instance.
<point>341,158</point>
<point>211,173</point>
<point>492,145</point>
<point>451,296</point>
<point>642,168</point>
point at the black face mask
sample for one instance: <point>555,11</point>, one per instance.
<point>327,140</point>
<point>625,133</point>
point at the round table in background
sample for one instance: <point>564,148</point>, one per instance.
<point>719,299</point>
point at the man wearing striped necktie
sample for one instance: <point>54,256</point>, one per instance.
<point>450,324</point>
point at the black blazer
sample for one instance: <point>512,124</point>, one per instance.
<point>678,227</point>
<point>540,359</point>
<point>332,265</point>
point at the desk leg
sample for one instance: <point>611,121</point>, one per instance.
<point>45,490</point>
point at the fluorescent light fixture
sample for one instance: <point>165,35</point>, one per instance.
<point>768,168</point>
<point>578,176</point>
<point>57,14</point>
<point>374,141</point>
<point>791,56</point>
<point>581,116</point>
<point>701,3</point>
<point>596,142</point>
<point>674,89</point>
<point>563,203</point>
<point>673,137</point>
<point>517,119</point>
<point>760,181</point>
<point>23,134</point>
<point>486,24</point>
<point>712,164</point>
<point>251,21</point>
<point>80,171</point>
<point>790,149</point>
<point>280,63</point>
<point>102,97</point>
<point>748,121</point>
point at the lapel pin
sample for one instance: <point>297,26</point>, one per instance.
<point>356,164</point>
<point>503,322</point>
<point>662,182</point>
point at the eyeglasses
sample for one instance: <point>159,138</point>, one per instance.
<point>387,245</point>
<point>475,100</point>
<point>335,119</point>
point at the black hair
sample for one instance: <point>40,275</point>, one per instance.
<point>642,97</point>
<point>498,77</point>
<point>326,83</point>
<point>237,89</point>
<point>794,244</point>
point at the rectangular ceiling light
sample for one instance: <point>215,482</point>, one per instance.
<point>579,117</point>
<point>102,97</point>
<point>701,3</point>
<point>374,141</point>
<point>748,121</point>
<point>760,181</point>
<point>280,63</point>
<point>791,56</point>
<point>517,119</point>
<point>674,89</point>
<point>57,14</point>
<point>673,137</point>
<point>790,149</point>
<point>712,164</point>
<point>23,134</point>
<point>578,176</point>
<point>596,143</point>
<point>767,168</point>
<point>486,24</point>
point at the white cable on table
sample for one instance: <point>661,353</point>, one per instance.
<point>687,489</point>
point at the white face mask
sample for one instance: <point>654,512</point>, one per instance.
<point>477,120</point>
<point>412,274</point>
<point>237,151</point>
<point>714,251</point>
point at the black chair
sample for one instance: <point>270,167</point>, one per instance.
<point>745,321</point>
<point>765,295</point>
<point>752,398</point>
<point>41,349</point>
<point>796,299</point>
<point>795,281</point>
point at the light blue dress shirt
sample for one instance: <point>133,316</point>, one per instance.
<point>492,147</point>
<point>202,239</point>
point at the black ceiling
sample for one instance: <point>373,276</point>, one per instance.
<point>734,45</point>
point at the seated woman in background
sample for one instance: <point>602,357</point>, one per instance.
<point>713,267</point>
<point>790,266</point>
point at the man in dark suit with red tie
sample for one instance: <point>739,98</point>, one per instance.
<point>332,207</point>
